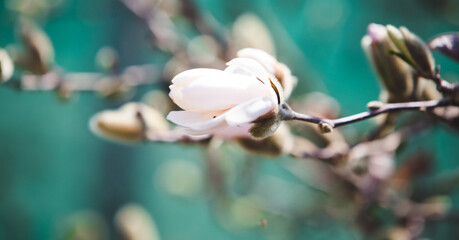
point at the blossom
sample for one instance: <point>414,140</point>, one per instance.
<point>234,101</point>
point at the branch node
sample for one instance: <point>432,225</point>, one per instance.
<point>325,127</point>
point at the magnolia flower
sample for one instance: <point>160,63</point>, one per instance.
<point>243,98</point>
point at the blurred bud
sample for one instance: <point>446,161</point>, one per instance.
<point>394,73</point>
<point>84,225</point>
<point>38,53</point>
<point>135,223</point>
<point>448,44</point>
<point>245,212</point>
<point>64,91</point>
<point>245,28</point>
<point>158,100</point>
<point>129,123</point>
<point>6,66</point>
<point>281,142</point>
<point>180,178</point>
<point>413,50</point>
<point>107,59</point>
<point>204,51</point>
<point>398,233</point>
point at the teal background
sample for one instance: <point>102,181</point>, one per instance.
<point>52,166</point>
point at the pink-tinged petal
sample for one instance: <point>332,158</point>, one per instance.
<point>197,120</point>
<point>221,91</point>
<point>187,76</point>
<point>249,111</point>
<point>377,32</point>
<point>183,79</point>
<point>248,67</point>
<point>260,56</point>
<point>231,132</point>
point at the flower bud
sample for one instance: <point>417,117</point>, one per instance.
<point>135,223</point>
<point>245,27</point>
<point>107,59</point>
<point>413,50</point>
<point>38,50</point>
<point>281,142</point>
<point>394,73</point>
<point>129,123</point>
<point>6,66</point>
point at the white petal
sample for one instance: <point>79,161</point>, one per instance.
<point>248,67</point>
<point>230,132</point>
<point>249,111</point>
<point>260,56</point>
<point>197,120</point>
<point>221,91</point>
<point>187,76</point>
<point>181,80</point>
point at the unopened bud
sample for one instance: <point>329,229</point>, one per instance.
<point>394,73</point>
<point>413,50</point>
<point>281,142</point>
<point>39,51</point>
<point>107,59</point>
<point>420,53</point>
<point>6,66</point>
<point>129,123</point>
<point>135,223</point>
<point>265,126</point>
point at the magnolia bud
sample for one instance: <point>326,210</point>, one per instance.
<point>107,59</point>
<point>420,53</point>
<point>129,123</point>
<point>135,223</point>
<point>265,126</point>
<point>394,73</point>
<point>39,51</point>
<point>413,50</point>
<point>280,142</point>
<point>6,66</point>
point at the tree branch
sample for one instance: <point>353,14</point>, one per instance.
<point>328,124</point>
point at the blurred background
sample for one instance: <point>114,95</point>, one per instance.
<point>58,180</point>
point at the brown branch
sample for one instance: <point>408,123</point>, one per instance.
<point>328,124</point>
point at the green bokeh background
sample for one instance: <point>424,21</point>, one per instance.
<point>52,166</point>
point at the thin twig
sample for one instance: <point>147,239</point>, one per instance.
<point>289,114</point>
